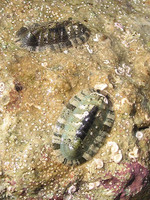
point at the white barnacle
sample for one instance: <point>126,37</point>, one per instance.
<point>114,146</point>
<point>127,69</point>
<point>134,154</point>
<point>117,157</point>
<point>94,185</point>
<point>97,183</point>
<point>99,163</point>
<point>91,186</point>
<point>120,71</point>
<point>116,153</point>
<point>139,135</point>
<point>72,189</point>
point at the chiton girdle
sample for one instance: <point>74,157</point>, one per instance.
<point>82,127</point>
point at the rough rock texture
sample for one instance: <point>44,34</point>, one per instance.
<point>34,87</point>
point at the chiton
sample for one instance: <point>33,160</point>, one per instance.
<point>82,127</point>
<point>56,36</point>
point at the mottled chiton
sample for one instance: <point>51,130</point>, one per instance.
<point>56,36</point>
<point>82,127</point>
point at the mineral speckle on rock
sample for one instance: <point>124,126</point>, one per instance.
<point>35,86</point>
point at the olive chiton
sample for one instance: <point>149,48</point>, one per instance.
<point>82,127</point>
<point>56,36</point>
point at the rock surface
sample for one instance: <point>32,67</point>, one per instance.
<point>35,86</point>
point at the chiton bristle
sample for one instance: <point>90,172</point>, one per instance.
<point>56,36</point>
<point>82,127</point>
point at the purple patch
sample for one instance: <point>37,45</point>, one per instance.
<point>123,188</point>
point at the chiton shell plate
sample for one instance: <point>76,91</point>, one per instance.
<point>56,36</point>
<point>82,127</point>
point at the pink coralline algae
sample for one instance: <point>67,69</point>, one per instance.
<point>125,188</point>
